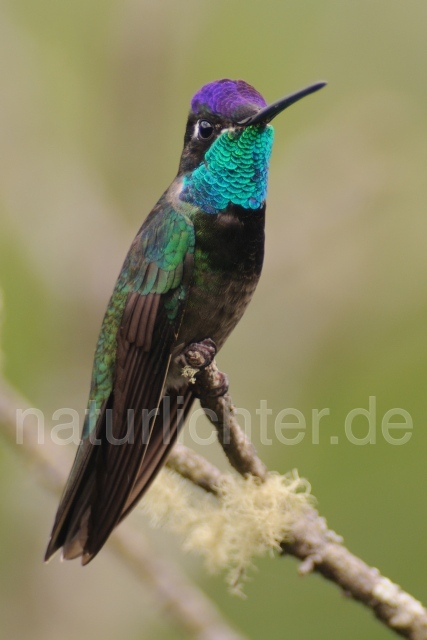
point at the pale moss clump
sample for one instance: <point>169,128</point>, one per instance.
<point>248,519</point>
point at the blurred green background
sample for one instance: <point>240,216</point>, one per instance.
<point>93,101</point>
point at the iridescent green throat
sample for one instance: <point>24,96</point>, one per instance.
<point>234,171</point>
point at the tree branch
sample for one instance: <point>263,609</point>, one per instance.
<point>320,549</point>
<point>311,541</point>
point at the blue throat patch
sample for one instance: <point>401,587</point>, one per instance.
<point>234,171</point>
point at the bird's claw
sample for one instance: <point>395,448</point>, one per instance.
<point>198,355</point>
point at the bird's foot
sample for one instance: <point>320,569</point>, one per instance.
<point>197,356</point>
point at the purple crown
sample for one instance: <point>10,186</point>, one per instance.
<point>232,99</point>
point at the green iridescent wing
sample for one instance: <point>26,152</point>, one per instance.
<point>131,363</point>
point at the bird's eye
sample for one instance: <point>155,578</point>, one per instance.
<point>206,129</point>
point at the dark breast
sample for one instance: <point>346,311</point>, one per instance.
<point>228,260</point>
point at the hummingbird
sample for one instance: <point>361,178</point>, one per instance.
<point>186,281</point>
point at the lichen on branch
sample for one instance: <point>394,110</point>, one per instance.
<point>246,519</point>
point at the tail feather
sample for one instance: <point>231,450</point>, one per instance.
<point>75,528</point>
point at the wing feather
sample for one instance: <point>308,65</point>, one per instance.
<point>130,369</point>
<point>171,417</point>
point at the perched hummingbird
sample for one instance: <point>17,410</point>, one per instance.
<point>187,279</point>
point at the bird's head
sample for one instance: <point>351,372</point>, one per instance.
<point>227,144</point>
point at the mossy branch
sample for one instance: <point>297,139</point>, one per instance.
<point>308,537</point>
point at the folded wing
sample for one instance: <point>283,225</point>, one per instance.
<point>123,445</point>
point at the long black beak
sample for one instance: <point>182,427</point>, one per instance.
<point>272,110</point>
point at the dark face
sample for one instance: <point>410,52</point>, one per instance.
<point>203,128</point>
